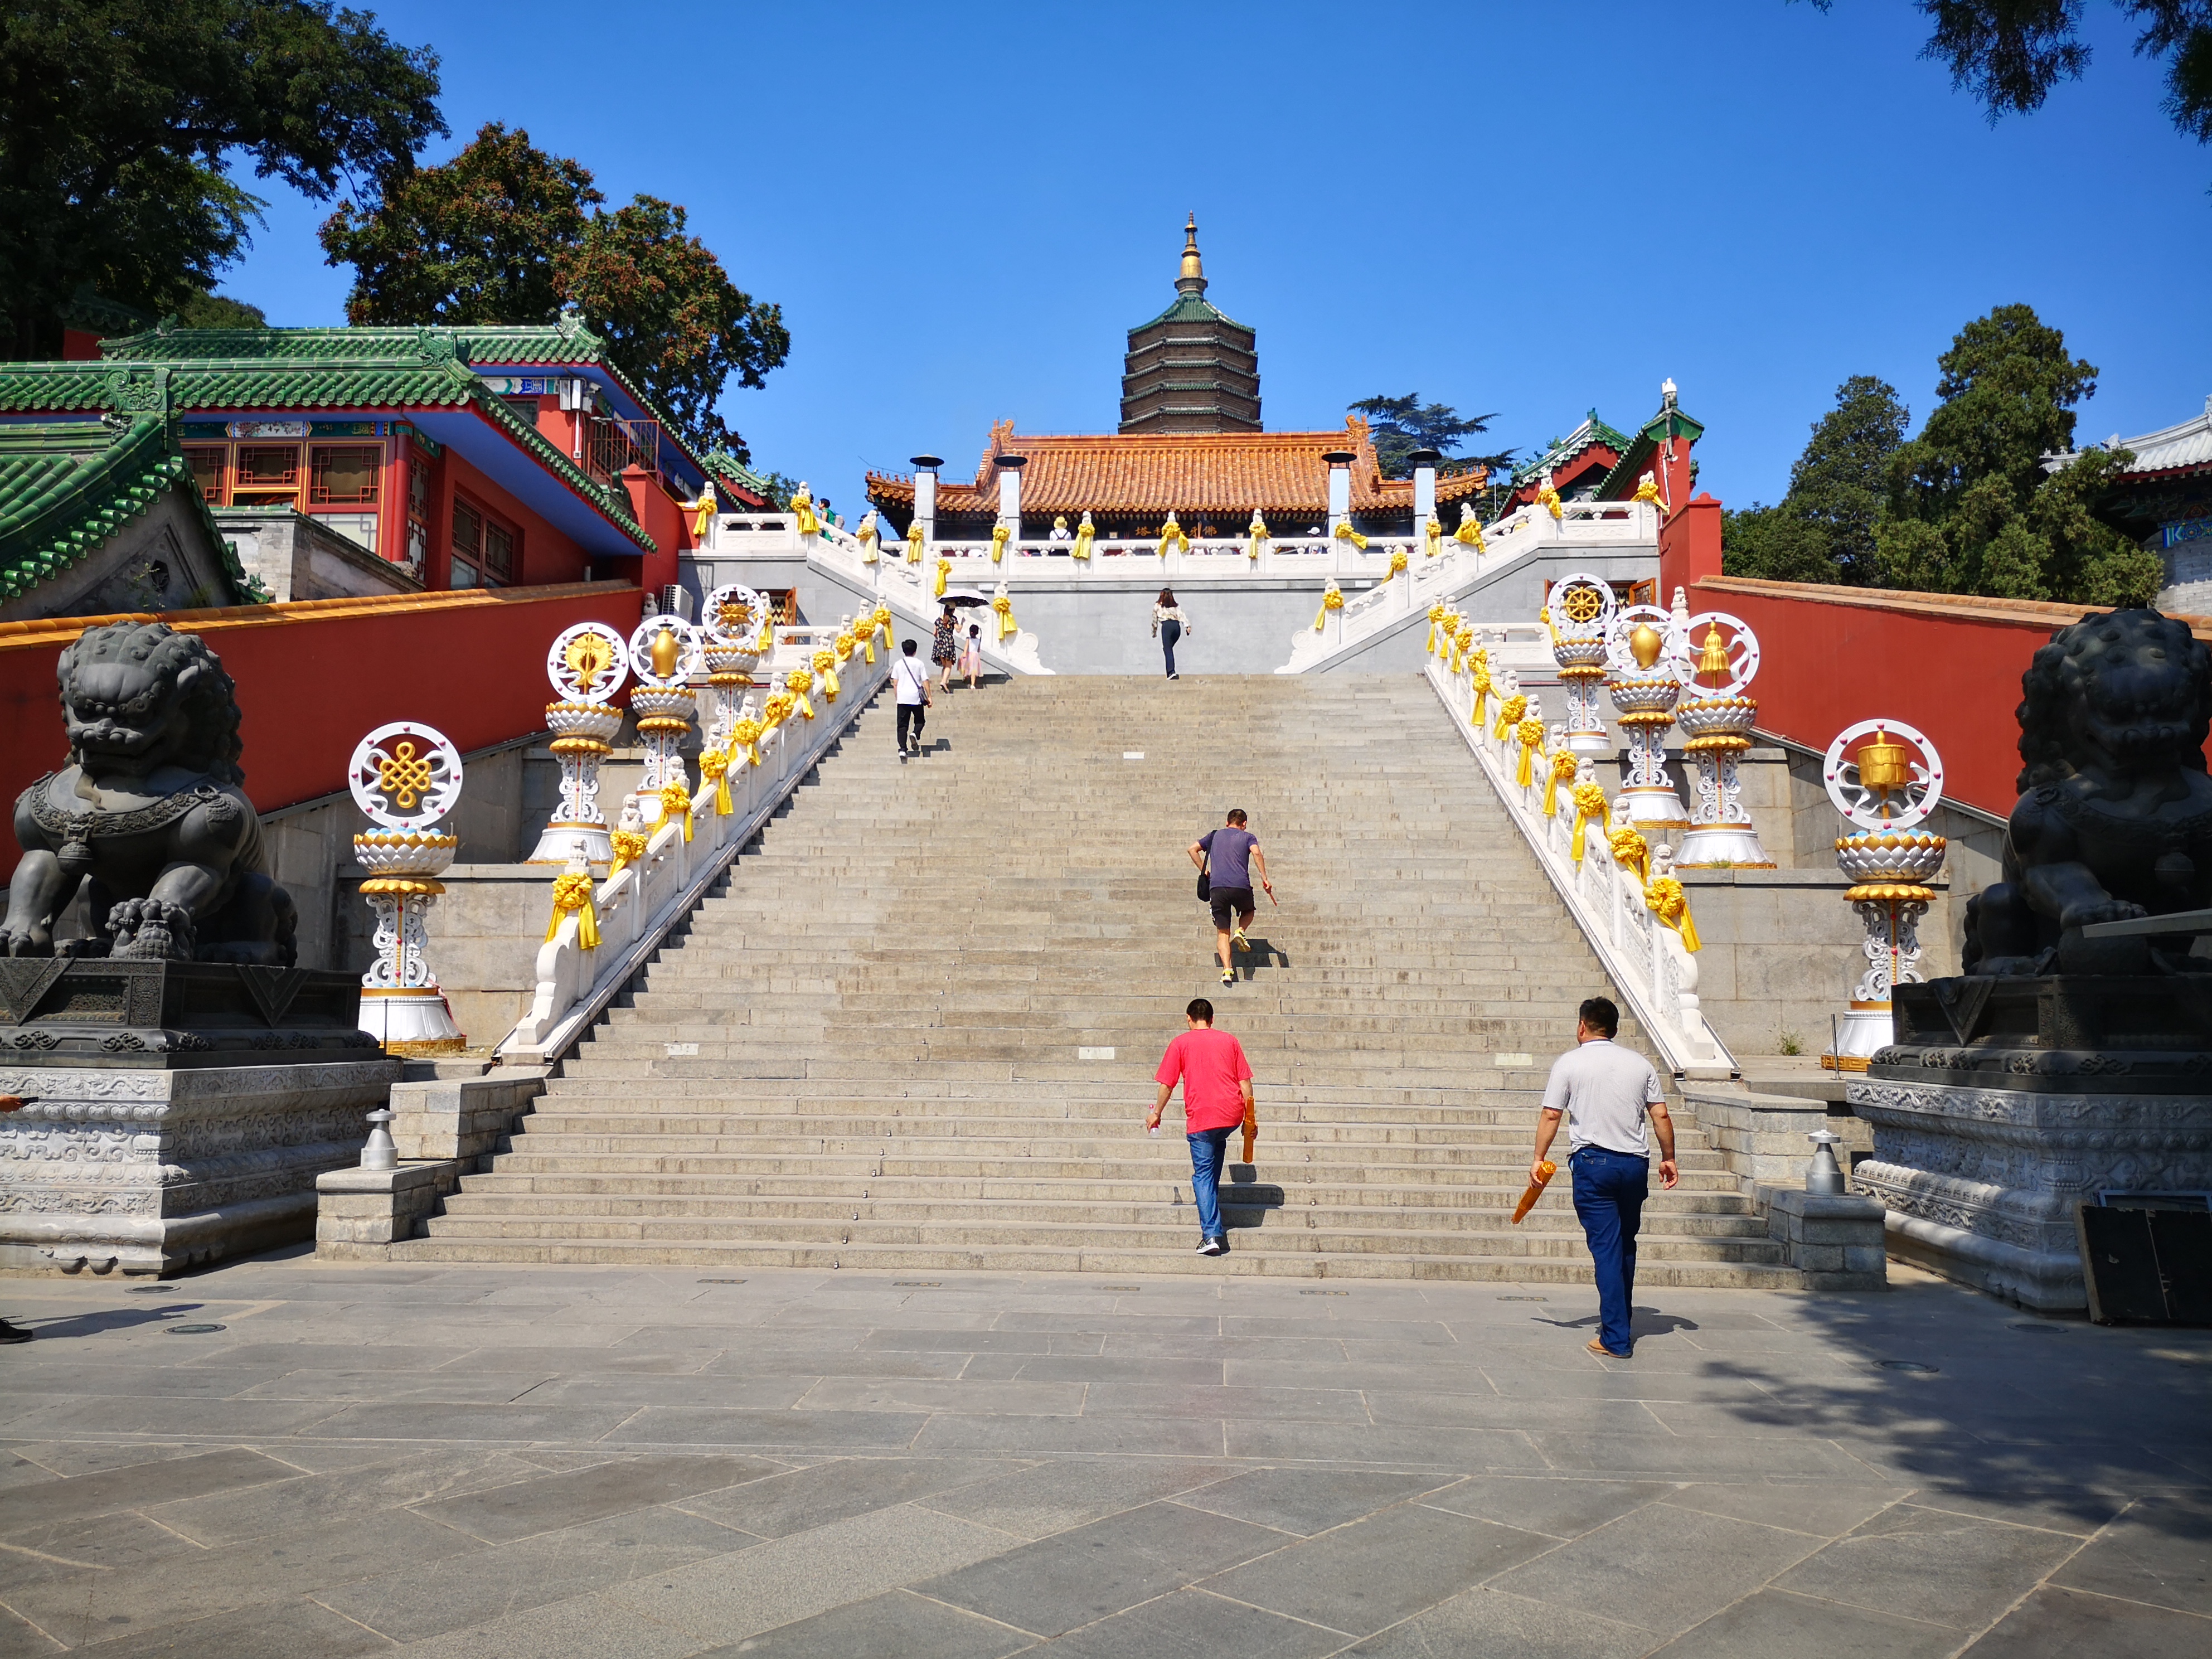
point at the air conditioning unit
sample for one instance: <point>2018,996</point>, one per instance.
<point>675,601</point>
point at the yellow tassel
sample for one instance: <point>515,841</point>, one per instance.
<point>1435,615</point>
<point>572,895</point>
<point>715,765</point>
<point>1531,733</point>
<point>1001,535</point>
<point>1509,715</point>
<point>1671,905</point>
<point>944,569</point>
<point>676,798</point>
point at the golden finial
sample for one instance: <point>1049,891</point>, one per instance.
<point>1193,272</point>
<point>667,652</point>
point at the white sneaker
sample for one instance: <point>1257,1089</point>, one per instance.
<point>1213,1247</point>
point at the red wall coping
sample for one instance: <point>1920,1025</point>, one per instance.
<point>316,676</point>
<point>1946,663</point>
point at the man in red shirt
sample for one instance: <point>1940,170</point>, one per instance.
<point>1217,1094</point>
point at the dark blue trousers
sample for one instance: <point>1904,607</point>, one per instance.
<point>1170,633</point>
<point>1610,1189</point>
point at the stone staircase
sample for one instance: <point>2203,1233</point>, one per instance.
<point>916,1028</point>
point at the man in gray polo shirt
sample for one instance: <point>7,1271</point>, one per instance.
<point>1605,1091</point>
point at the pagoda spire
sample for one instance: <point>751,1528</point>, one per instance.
<point>1193,279</point>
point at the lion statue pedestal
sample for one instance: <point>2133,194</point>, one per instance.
<point>2065,1063</point>
<point>173,1083</point>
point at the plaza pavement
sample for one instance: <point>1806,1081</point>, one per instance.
<point>547,1463</point>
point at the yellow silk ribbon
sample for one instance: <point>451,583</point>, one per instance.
<point>802,508</point>
<point>845,644</point>
<point>675,798</point>
<point>1332,600</point>
<point>1562,771</point>
<point>1172,536</point>
<point>914,543</point>
<point>1508,714</point>
<point>1003,605</point>
<point>1631,852</point>
<point>944,569</point>
<point>825,669</point>
<point>798,682</point>
<point>1083,538</point>
<point>1482,689</point>
<point>1531,735</point>
<point>1549,498</point>
<point>1397,563</point>
<point>867,540</point>
<point>572,895</point>
<point>1344,532</point>
<point>777,711</point>
<point>1437,614</point>
<point>1256,544</point>
<point>1671,905</point>
<point>1000,534</point>
<point>1647,490</point>
<point>1589,808</point>
<point>744,740</point>
<point>715,766</point>
<point>1433,535</point>
<point>629,847</point>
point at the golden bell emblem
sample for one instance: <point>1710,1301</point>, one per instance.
<point>667,652</point>
<point>1715,658</point>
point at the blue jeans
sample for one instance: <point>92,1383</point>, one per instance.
<point>1209,1151</point>
<point>1610,1189</point>
<point>1170,633</point>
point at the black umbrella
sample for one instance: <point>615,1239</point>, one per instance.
<point>963,597</point>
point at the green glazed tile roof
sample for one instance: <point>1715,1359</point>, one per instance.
<point>488,345</point>
<point>422,368</point>
<point>1563,450</point>
<point>1637,452</point>
<point>1192,308</point>
<point>66,487</point>
<point>721,463</point>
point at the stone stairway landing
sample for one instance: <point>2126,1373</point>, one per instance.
<point>916,1028</point>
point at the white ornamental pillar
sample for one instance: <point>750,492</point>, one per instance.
<point>925,498</point>
<point>588,665</point>
<point>1722,655</point>
<point>405,776</point>
<point>661,653</point>
<point>1424,486</point>
<point>1890,783</point>
<point>1010,496</point>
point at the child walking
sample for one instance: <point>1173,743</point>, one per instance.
<point>971,654</point>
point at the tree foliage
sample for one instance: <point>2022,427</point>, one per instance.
<point>1823,531</point>
<point>2009,53</point>
<point>505,233</point>
<point>1399,426</point>
<point>121,121</point>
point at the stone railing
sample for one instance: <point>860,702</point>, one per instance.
<point>635,907</point>
<point>1597,526</point>
<point>1645,958</point>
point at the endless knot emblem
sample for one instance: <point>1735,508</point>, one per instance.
<point>404,776</point>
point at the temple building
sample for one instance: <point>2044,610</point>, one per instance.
<point>1191,368</point>
<point>2163,500</point>
<point>1596,462</point>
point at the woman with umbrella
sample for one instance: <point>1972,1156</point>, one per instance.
<point>944,647</point>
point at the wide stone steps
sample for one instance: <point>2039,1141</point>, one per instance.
<point>871,1049</point>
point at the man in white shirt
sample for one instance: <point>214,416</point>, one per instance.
<point>910,685</point>
<point>1605,1092</point>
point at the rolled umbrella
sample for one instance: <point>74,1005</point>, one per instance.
<point>1545,1171</point>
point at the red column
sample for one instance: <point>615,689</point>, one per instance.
<point>1689,546</point>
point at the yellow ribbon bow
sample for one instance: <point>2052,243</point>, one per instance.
<point>1344,532</point>
<point>1463,642</point>
<point>1437,614</point>
<point>1171,536</point>
<point>914,543</point>
<point>802,508</point>
<point>1084,532</point>
<point>1530,731</point>
<point>714,765</point>
<point>825,666</point>
<point>1432,534</point>
<point>572,895</point>
<point>798,682</point>
<point>1666,901</point>
<point>1549,498</point>
<point>1631,852</point>
<point>1589,808</point>
<point>1469,534</point>
<point>1564,764</point>
<point>1397,563</point>
<point>776,711</point>
<point>866,538</point>
<point>675,798</point>
<point>1647,489</point>
<point>744,740</point>
<point>1257,540</point>
<point>1482,689</point>
<point>1332,600</point>
<point>1001,535</point>
<point>944,569</point>
<point>1508,714</point>
<point>629,847</point>
<point>846,643</point>
<point>1003,605</point>
<point>882,625</point>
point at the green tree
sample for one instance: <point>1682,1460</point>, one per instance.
<point>121,122</point>
<point>1824,530</point>
<point>220,311</point>
<point>1973,506</point>
<point>505,233</point>
<point>2009,53</point>
<point>1402,425</point>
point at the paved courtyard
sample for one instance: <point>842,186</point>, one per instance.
<point>540,1463</point>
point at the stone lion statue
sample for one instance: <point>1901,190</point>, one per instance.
<point>2114,819</point>
<point>146,828</point>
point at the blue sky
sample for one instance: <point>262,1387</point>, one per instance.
<point>1532,209</point>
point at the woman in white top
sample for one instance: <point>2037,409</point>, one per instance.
<point>1169,625</point>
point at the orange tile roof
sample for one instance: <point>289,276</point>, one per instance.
<point>1228,473</point>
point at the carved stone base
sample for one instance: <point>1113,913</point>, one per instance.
<point>556,844</point>
<point>1980,1176</point>
<point>418,1024</point>
<point>105,1013</point>
<point>1720,847</point>
<point>1863,1032</point>
<point>1657,812</point>
<point>142,1170</point>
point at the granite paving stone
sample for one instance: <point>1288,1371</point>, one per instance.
<point>2055,1622</point>
<point>1358,1578</point>
<point>1075,1578</point>
<point>2159,1551</point>
<point>896,1625</point>
<point>1307,1501</point>
<point>805,1499</point>
<point>288,1629</point>
<point>1559,1508</point>
<point>1774,1623</point>
<point>1193,1624</point>
<point>1485,1623</point>
<point>547,1502</point>
<point>134,1484</point>
<point>1926,1564</point>
<point>1052,1498</point>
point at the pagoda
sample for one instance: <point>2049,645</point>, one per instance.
<point>1191,369</point>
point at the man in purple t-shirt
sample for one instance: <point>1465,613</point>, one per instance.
<point>1230,854</point>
